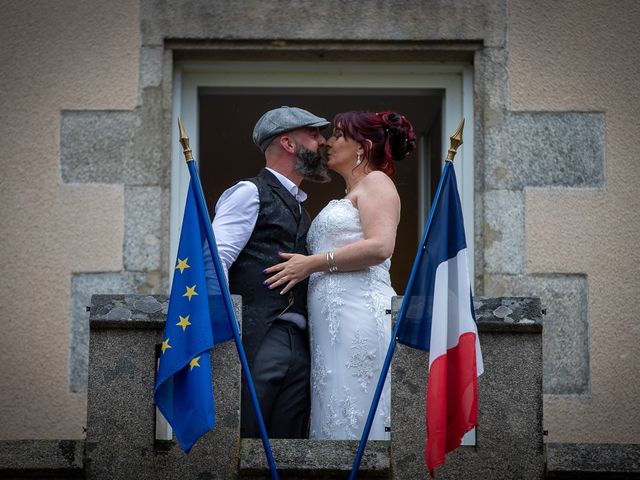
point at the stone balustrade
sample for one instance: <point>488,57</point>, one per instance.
<point>126,331</point>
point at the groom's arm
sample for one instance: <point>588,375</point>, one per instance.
<point>235,218</point>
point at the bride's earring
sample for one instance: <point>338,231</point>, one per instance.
<point>359,160</point>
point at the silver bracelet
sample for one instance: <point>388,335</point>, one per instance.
<point>331,263</point>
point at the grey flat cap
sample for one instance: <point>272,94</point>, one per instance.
<point>281,120</point>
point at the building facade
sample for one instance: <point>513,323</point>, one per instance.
<point>91,183</point>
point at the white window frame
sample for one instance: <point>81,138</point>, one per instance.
<point>455,80</point>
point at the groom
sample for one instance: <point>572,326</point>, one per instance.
<point>254,220</point>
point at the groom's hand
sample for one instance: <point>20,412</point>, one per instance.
<point>294,270</point>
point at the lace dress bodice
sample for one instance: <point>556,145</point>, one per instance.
<point>337,225</point>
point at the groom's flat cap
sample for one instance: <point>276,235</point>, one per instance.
<point>283,119</point>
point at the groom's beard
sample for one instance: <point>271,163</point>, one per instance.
<point>313,165</point>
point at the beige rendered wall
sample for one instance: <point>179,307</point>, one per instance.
<point>54,55</point>
<point>583,56</point>
<point>64,54</point>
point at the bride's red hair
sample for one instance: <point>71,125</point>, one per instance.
<point>391,135</point>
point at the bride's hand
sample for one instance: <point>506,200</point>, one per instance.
<point>294,270</point>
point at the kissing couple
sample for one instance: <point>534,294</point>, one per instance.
<point>315,294</point>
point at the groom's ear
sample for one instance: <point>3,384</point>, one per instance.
<point>287,143</point>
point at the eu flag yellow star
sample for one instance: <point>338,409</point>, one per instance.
<point>182,264</point>
<point>184,322</point>
<point>191,291</point>
<point>165,345</point>
<point>194,363</point>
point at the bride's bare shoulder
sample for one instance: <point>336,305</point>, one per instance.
<point>378,181</point>
<point>377,178</point>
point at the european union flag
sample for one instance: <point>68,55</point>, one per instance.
<point>196,321</point>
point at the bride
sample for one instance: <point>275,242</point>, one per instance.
<point>350,244</point>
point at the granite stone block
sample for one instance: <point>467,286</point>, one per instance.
<point>565,339</point>
<point>538,149</point>
<point>393,20</point>
<point>150,160</point>
<point>151,66</point>
<point>165,240</point>
<point>41,458</point>
<point>83,286</point>
<point>509,433</point>
<point>584,460</point>
<point>95,145</point>
<point>168,59</point>
<point>142,228</point>
<point>503,231</point>
<point>492,84</point>
<point>128,147</point>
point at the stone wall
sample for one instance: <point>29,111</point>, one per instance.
<point>125,332</point>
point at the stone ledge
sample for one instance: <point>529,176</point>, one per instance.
<point>134,311</point>
<point>309,458</point>
<point>499,314</point>
<point>41,459</point>
<point>128,311</point>
<point>508,314</point>
<point>505,314</point>
<point>593,460</point>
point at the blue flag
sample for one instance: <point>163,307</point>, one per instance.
<point>444,241</point>
<point>196,321</point>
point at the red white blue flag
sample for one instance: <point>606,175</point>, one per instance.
<point>439,318</point>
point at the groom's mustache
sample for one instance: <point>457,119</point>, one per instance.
<point>313,165</point>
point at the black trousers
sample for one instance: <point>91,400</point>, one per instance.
<point>280,372</point>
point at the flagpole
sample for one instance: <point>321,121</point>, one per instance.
<point>456,141</point>
<point>204,213</point>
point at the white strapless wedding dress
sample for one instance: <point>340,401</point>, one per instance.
<point>349,333</point>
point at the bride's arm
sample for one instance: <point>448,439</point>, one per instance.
<point>379,206</point>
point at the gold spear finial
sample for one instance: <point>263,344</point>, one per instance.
<point>184,140</point>
<point>456,141</point>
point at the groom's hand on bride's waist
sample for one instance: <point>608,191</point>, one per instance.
<point>294,270</point>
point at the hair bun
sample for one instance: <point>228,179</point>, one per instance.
<point>402,138</point>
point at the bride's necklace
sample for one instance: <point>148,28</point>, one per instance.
<point>347,189</point>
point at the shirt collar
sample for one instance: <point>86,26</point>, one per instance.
<point>290,186</point>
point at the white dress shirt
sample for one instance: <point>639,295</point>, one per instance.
<point>236,216</point>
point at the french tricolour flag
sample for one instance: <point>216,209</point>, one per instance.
<point>437,316</point>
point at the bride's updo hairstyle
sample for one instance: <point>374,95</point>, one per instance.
<point>391,135</point>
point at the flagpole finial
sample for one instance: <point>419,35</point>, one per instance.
<point>184,140</point>
<point>456,141</point>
